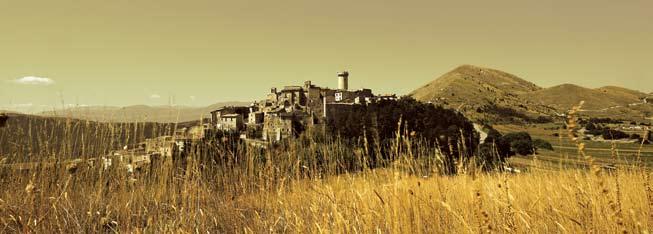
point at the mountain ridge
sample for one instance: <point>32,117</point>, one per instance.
<point>139,113</point>
<point>489,94</point>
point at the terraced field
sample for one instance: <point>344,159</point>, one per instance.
<point>565,154</point>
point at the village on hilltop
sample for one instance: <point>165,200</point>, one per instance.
<point>271,119</point>
<point>267,121</point>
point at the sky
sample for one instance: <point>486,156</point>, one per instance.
<point>196,52</point>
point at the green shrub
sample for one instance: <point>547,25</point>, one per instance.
<point>3,120</point>
<point>520,143</point>
<point>611,134</point>
<point>542,144</point>
<point>522,146</point>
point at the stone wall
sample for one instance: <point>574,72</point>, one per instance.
<point>276,128</point>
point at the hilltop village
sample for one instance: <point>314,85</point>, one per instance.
<point>308,105</point>
<point>273,119</point>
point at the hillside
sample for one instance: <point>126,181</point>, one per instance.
<point>30,137</point>
<point>493,95</point>
<point>624,94</point>
<point>473,89</point>
<point>140,113</point>
<point>466,80</point>
<point>566,95</point>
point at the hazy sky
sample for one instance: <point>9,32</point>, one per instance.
<point>123,52</point>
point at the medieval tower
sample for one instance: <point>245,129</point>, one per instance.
<point>343,80</point>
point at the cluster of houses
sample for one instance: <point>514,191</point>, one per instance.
<point>270,120</point>
<point>273,118</point>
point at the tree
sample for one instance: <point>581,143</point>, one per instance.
<point>433,124</point>
<point>590,126</point>
<point>522,146</point>
<point>635,136</point>
<point>542,144</point>
<point>520,143</point>
<point>494,150</point>
<point>3,120</point>
<point>543,119</point>
<point>501,145</point>
<point>611,134</point>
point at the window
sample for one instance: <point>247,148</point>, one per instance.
<point>338,97</point>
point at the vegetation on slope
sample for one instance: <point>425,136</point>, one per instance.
<point>29,138</point>
<point>3,120</point>
<point>379,123</point>
<point>564,96</point>
<point>303,186</point>
<point>324,184</point>
<point>470,88</point>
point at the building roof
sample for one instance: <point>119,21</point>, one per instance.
<point>292,88</point>
<point>231,108</point>
<point>230,116</point>
<point>277,110</point>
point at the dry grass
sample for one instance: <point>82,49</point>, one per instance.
<point>384,200</point>
<point>311,187</point>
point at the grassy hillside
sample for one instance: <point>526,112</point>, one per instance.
<point>496,96</point>
<point>314,183</point>
<point>301,188</point>
<point>29,138</point>
<point>566,95</point>
<point>623,95</point>
<point>468,88</point>
<point>491,80</point>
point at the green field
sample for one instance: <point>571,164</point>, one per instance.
<point>565,154</point>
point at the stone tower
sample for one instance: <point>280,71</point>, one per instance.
<point>343,80</point>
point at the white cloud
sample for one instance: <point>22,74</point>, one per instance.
<point>155,96</point>
<point>33,80</point>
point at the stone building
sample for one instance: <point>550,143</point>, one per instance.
<point>256,118</point>
<point>232,122</point>
<point>229,118</point>
<point>163,146</point>
<point>278,126</point>
<point>293,107</point>
<point>312,99</point>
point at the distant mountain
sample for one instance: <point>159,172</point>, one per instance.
<point>140,113</point>
<point>566,95</point>
<point>482,93</point>
<point>461,79</point>
<point>628,93</point>
<point>8,112</point>
<point>489,94</point>
<point>610,101</point>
